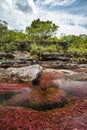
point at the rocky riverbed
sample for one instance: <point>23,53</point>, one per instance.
<point>43,96</point>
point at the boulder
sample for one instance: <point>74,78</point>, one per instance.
<point>26,74</point>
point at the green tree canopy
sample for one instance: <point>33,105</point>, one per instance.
<point>41,30</point>
<point>3,30</point>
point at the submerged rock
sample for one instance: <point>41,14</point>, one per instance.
<point>39,99</point>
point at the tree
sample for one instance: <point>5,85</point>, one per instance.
<point>41,30</point>
<point>3,30</point>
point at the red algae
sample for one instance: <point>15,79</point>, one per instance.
<point>39,99</point>
<point>68,118</point>
<point>12,87</point>
<point>50,76</point>
<point>72,116</point>
<point>47,78</point>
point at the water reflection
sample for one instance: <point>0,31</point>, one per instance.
<point>78,88</point>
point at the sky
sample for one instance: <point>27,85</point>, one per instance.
<point>69,15</point>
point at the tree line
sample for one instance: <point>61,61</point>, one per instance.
<point>40,36</point>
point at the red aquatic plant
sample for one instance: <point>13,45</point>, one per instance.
<point>72,116</point>
<point>12,87</point>
<point>39,99</point>
<point>47,78</point>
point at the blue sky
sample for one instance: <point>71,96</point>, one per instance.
<point>69,15</point>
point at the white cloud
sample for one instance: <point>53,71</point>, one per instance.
<point>12,4</point>
<point>56,2</point>
<point>16,17</point>
<point>69,24</point>
<point>31,3</point>
<point>69,30</point>
<point>7,4</point>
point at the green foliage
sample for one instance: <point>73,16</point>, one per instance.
<point>51,48</point>
<point>1,49</point>
<point>41,30</point>
<point>78,60</point>
<point>10,47</point>
<point>20,36</point>
<point>77,44</point>
<point>10,36</point>
<point>34,48</point>
<point>24,46</point>
<point>3,30</point>
<point>4,59</point>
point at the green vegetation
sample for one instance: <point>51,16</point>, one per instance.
<point>40,37</point>
<point>41,30</point>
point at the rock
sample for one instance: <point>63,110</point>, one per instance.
<point>26,59</point>
<point>26,74</point>
<point>22,63</point>
<point>49,56</point>
<point>2,55</point>
<point>61,71</point>
<point>82,68</point>
<point>56,64</point>
<point>39,99</point>
<point>22,55</point>
<point>4,76</point>
<point>78,76</point>
<point>7,63</point>
<point>63,58</point>
<point>9,56</point>
<point>53,56</point>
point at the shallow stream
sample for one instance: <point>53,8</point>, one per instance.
<point>56,103</point>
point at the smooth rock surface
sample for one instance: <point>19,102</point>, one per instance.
<point>23,74</point>
<point>27,74</point>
